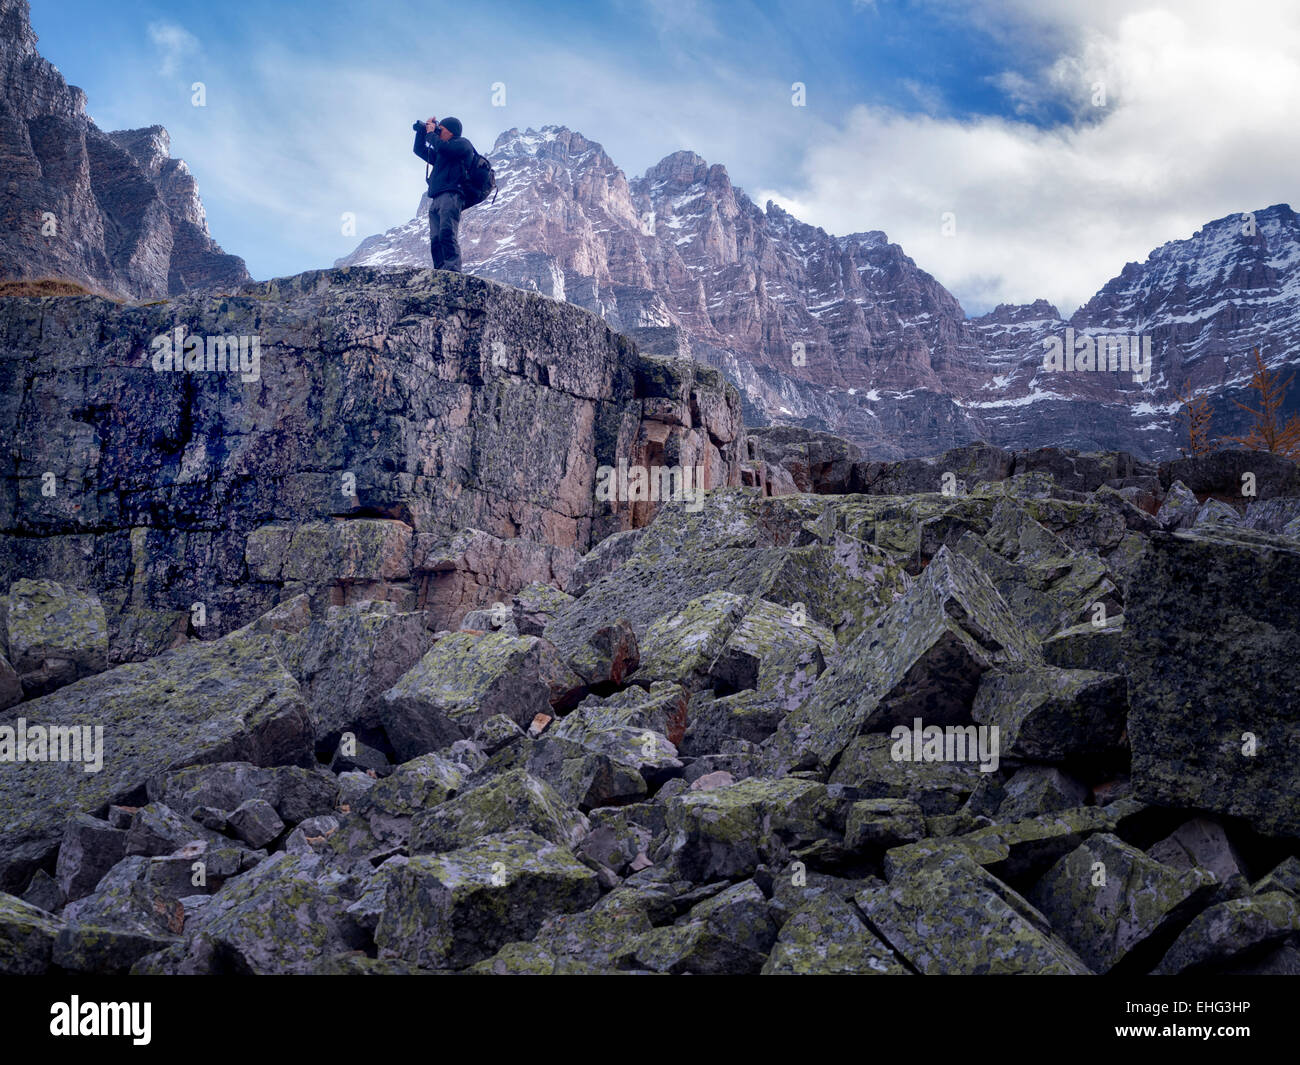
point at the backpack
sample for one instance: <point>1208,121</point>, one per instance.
<point>479,179</point>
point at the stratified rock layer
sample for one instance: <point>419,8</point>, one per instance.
<point>430,439</point>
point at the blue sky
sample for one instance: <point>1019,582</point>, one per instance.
<point>987,110</point>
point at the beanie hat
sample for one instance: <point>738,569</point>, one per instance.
<point>452,124</point>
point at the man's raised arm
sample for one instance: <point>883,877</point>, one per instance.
<point>423,148</point>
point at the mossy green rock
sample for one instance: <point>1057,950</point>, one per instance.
<point>923,658</point>
<point>842,582</point>
<point>608,750</point>
<point>713,721</point>
<point>913,528</point>
<point>1045,714</point>
<point>454,909</point>
<point>690,948</point>
<point>55,634</point>
<point>1204,843</point>
<point>1088,646</point>
<point>1228,929</point>
<point>634,707</point>
<point>826,936</point>
<point>323,552</point>
<point>128,899</point>
<point>775,651</point>
<point>534,605</point>
<point>1045,582</point>
<point>1028,847</point>
<point>112,951</point>
<point>27,935</point>
<point>463,680</point>
<point>744,544</point>
<point>284,916</point>
<point>938,787</point>
<point>1285,876</point>
<point>741,914</point>
<point>649,753</point>
<point>532,959</point>
<point>1036,790</point>
<point>224,700</point>
<point>513,800</point>
<point>1106,898</point>
<point>682,646</point>
<point>1089,528</point>
<point>883,823</point>
<point>586,777</point>
<point>948,916</point>
<point>1212,655</point>
<point>296,792</point>
<point>380,818</point>
<point>592,937</point>
<point>346,661</point>
<point>369,906</point>
<point>729,831</point>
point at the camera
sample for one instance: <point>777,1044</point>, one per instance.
<point>417,126</point>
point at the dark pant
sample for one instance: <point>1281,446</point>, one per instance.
<point>444,221</point>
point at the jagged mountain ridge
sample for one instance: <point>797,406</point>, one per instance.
<point>684,262</point>
<point>112,211</point>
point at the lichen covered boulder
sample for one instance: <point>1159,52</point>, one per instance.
<point>1051,715</point>
<point>922,659</point>
<point>346,660</point>
<point>27,935</point>
<point>379,820</point>
<point>453,909</point>
<point>827,936</point>
<point>55,634</point>
<point>513,800</point>
<point>218,701</point>
<point>1229,929</point>
<point>945,915</point>
<point>1107,899</point>
<point>463,680</point>
<point>1212,656</point>
<point>284,916</point>
<point>729,831</point>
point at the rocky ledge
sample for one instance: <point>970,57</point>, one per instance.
<point>426,439</point>
<point>962,719</point>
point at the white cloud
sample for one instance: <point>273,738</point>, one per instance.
<point>175,43</point>
<point>1201,107</point>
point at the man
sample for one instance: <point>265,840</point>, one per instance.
<point>448,152</point>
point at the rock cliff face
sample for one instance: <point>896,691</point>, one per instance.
<point>112,211</point>
<point>428,439</point>
<point>847,334</point>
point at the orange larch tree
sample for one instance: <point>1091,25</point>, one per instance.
<point>1268,434</point>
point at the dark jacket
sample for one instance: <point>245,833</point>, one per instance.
<point>448,159</point>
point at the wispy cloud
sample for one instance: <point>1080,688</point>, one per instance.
<point>174,44</point>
